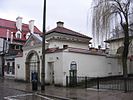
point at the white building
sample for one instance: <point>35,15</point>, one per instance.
<point>116,44</point>
<point>13,35</point>
<point>67,53</point>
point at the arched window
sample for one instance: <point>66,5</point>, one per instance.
<point>120,50</point>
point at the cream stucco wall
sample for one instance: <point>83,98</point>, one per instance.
<point>20,68</point>
<point>55,43</point>
<point>57,60</point>
<point>90,65</point>
<point>87,65</point>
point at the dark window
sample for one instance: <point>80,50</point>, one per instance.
<point>18,66</point>
<point>65,46</point>
<point>8,68</point>
<point>18,35</point>
<point>12,46</point>
<point>17,47</point>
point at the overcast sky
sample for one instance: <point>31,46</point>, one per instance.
<point>74,13</point>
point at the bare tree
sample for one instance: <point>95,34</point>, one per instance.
<point>104,13</point>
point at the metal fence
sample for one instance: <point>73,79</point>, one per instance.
<point>111,83</point>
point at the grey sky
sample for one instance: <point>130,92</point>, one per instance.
<point>72,12</point>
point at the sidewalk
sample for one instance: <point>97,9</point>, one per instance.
<point>69,93</point>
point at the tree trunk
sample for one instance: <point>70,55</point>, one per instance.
<point>125,56</point>
<point>125,73</point>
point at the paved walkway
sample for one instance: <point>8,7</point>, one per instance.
<point>70,93</point>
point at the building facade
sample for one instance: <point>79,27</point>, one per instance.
<point>13,35</point>
<point>67,53</point>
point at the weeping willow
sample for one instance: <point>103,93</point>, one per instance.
<point>104,13</point>
<point>101,22</point>
<point>107,15</point>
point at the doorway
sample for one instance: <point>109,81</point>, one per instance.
<point>51,72</point>
<point>32,66</point>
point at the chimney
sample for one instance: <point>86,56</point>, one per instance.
<point>60,24</point>
<point>19,23</point>
<point>31,26</point>
<point>11,37</point>
<point>7,34</point>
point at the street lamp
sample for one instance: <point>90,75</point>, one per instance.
<point>43,48</point>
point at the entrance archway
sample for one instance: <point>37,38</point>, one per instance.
<point>32,65</point>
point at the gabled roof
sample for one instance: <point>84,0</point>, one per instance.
<point>11,25</point>
<point>63,30</point>
<point>37,36</point>
<point>33,37</point>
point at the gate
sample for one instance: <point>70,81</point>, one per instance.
<point>73,74</point>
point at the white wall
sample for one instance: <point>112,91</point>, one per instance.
<point>19,68</point>
<point>90,65</point>
<point>55,43</point>
<point>55,58</point>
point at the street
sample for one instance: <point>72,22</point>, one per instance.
<point>4,92</point>
<point>8,92</point>
<point>28,96</point>
<point>17,90</point>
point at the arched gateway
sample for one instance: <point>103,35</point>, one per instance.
<point>32,65</point>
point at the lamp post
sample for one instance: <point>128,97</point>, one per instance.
<point>43,48</point>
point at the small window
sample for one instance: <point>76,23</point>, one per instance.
<point>17,47</point>
<point>28,35</point>
<point>18,34</point>
<point>65,46</point>
<point>18,66</point>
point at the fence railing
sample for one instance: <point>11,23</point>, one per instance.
<point>111,83</point>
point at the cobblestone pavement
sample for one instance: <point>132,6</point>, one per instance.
<point>70,93</point>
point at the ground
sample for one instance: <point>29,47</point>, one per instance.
<point>15,89</point>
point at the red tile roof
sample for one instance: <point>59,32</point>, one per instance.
<point>11,26</point>
<point>63,30</point>
<point>76,50</point>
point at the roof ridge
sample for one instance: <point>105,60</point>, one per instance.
<point>6,20</point>
<point>67,31</point>
<point>73,31</point>
<point>23,24</point>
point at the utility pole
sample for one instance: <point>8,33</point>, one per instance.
<point>43,48</point>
